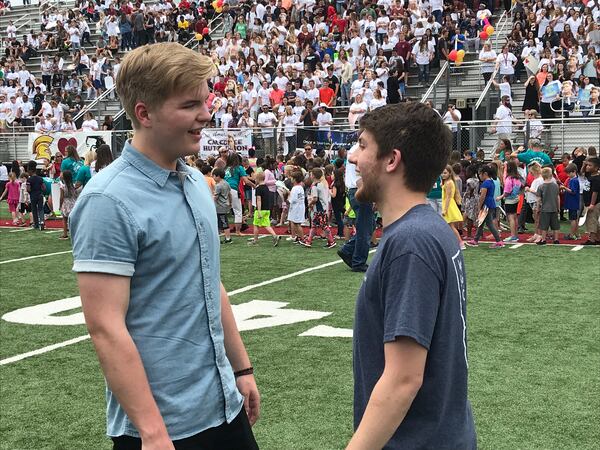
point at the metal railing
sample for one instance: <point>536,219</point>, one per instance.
<point>560,135</point>
<point>192,44</point>
<point>504,19</point>
<point>451,75</point>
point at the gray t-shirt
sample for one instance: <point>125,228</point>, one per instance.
<point>222,190</point>
<point>416,287</point>
<point>549,195</point>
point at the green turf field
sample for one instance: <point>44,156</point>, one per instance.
<point>533,347</point>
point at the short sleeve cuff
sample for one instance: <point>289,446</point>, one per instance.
<point>407,332</point>
<point>110,267</point>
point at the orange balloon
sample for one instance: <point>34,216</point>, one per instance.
<point>489,30</point>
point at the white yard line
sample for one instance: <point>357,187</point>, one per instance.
<point>517,245</point>
<point>35,257</point>
<point>577,248</point>
<point>18,230</point>
<point>43,350</point>
<point>49,348</point>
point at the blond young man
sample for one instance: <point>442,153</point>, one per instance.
<point>146,252</point>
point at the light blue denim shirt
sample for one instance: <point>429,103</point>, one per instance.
<point>159,227</point>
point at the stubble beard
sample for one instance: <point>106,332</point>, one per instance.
<point>369,191</point>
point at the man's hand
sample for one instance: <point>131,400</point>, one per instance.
<point>158,443</point>
<point>246,384</point>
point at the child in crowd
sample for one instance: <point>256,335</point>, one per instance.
<point>36,188</point>
<point>349,220</point>
<point>571,200</point>
<point>319,205</point>
<point>487,216</point>
<point>222,196</point>
<point>297,211</point>
<point>262,213</point>
<point>591,200</point>
<point>531,197</point>
<point>68,197</point>
<point>12,192</point>
<point>206,170</point>
<point>512,190</point>
<point>24,202</point>
<point>450,211</point>
<point>549,195</point>
<point>471,200</point>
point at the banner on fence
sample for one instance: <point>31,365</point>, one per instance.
<point>323,139</point>
<point>44,146</point>
<point>212,139</point>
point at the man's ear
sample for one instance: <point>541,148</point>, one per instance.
<point>393,161</point>
<point>143,115</point>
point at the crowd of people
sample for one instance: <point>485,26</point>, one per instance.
<point>27,188</point>
<point>310,191</point>
<point>553,48</point>
<point>472,195</point>
<point>286,66</point>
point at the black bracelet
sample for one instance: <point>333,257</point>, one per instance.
<point>241,373</point>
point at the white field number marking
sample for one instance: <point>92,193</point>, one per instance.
<point>252,315</point>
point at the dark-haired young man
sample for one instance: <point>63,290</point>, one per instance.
<point>410,350</point>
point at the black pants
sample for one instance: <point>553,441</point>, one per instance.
<point>234,436</point>
<point>37,207</point>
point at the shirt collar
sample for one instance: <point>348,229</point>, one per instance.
<point>152,170</point>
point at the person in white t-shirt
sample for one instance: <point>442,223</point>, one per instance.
<point>324,118</point>
<point>506,63</point>
<point>503,122</point>
<point>452,118</point>
<point>89,123</point>
<point>43,126</point>
<point>267,121</point>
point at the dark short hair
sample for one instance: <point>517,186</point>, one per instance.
<point>217,172</point>
<point>488,170</point>
<point>419,133</point>
<point>571,168</point>
<point>594,161</point>
<point>205,169</point>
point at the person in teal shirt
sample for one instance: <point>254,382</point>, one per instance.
<point>82,176</point>
<point>234,172</point>
<point>434,197</point>
<point>535,154</point>
<point>72,162</point>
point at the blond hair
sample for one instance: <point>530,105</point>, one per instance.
<point>535,169</point>
<point>153,73</point>
<point>546,173</point>
<point>89,157</point>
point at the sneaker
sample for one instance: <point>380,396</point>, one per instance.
<point>276,240</point>
<point>63,238</point>
<point>556,241</point>
<point>512,239</point>
<point>542,242</point>
<point>333,244</point>
<point>463,246</point>
<point>289,238</point>
<point>305,243</point>
<point>345,257</point>
<point>373,244</point>
<point>253,242</point>
<point>472,243</point>
<point>226,241</point>
<point>42,227</point>
<point>497,245</point>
